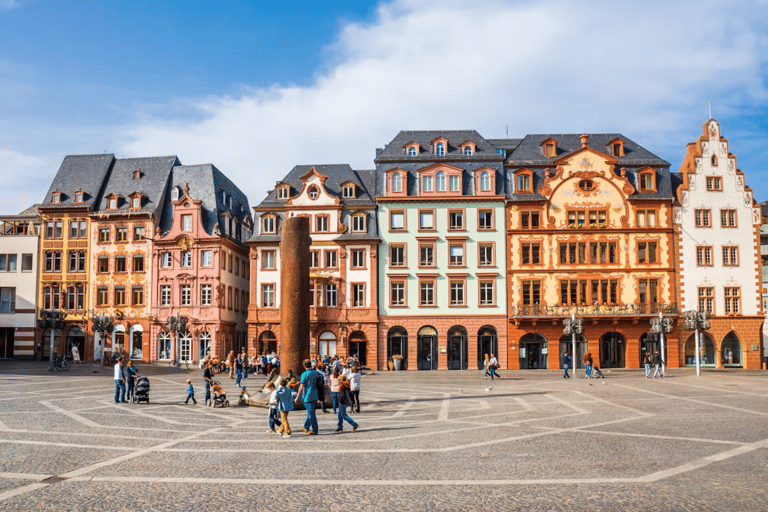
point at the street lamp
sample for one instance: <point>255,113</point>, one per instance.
<point>177,324</point>
<point>103,324</point>
<point>695,320</point>
<point>573,326</point>
<point>661,326</point>
<point>53,320</point>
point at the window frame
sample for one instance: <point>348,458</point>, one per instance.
<point>702,217</point>
<point>430,212</point>
<point>459,213</point>
<point>358,259</point>
<point>401,248</point>
<point>401,215</point>
<point>491,248</point>
<point>427,285</point>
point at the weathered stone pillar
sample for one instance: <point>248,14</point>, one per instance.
<point>294,295</point>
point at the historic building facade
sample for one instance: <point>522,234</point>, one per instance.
<point>199,267</point>
<point>589,238</point>
<point>339,203</point>
<point>718,254</point>
<point>442,300</point>
<point>19,273</point>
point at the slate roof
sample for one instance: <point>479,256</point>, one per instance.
<point>206,184</point>
<point>80,172</point>
<point>155,173</point>
<point>395,150</point>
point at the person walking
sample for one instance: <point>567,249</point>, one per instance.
<point>231,363</point>
<point>190,393</point>
<point>273,413</point>
<point>493,363</point>
<point>587,365</point>
<point>239,368</point>
<point>354,386</point>
<point>285,400</point>
<point>335,389</point>
<point>119,381</point>
<point>648,362</point>
<point>344,401</point>
<point>657,362</point>
<point>131,374</point>
<point>308,391</point>
<point>208,377</point>
<point>566,363</point>
<point>485,367</point>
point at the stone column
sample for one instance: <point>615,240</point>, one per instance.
<point>294,295</point>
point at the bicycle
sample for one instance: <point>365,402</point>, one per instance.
<point>57,363</point>
<point>174,363</point>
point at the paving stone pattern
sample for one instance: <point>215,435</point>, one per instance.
<point>427,441</point>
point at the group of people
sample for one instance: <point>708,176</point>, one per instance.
<point>656,361</point>
<point>125,380</point>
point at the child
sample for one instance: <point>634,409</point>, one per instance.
<point>190,392</point>
<point>285,397</point>
<point>270,387</point>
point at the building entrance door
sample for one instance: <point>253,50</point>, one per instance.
<point>427,349</point>
<point>612,347</point>
<point>6,343</point>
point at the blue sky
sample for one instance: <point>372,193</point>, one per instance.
<point>256,88</point>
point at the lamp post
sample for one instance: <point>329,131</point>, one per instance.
<point>573,326</point>
<point>661,326</point>
<point>53,320</point>
<point>177,324</point>
<point>695,320</point>
<point>103,324</point>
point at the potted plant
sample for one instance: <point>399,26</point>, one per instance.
<point>397,361</point>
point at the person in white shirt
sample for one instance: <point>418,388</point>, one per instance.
<point>354,386</point>
<point>119,381</point>
<point>493,363</point>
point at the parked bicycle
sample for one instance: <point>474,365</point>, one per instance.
<point>174,363</point>
<point>58,363</point>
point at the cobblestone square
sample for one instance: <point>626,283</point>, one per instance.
<point>427,441</point>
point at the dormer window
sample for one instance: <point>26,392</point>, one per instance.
<point>468,148</point>
<point>79,196</point>
<point>56,197</point>
<point>313,192</point>
<point>175,194</point>
<point>283,192</point>
<point>268,225</point>
<point>523,183</point>
<point>549,148</point>
<point>348,191</point>
<point>426,184</point>
<point>440,179</point>
<point>358,223</point>
<point>440,149</point>
<point>112,202</point>
<point>485,181</point>
<point>412,151</point>
<point>647,181</point>
<point>412,148</point>
<point>136,202</point>
<point>137,174</point>
<point>397,182</point>
<point>224,196</point>
<point>454,183</point>
<point>617,148</point>
<point>468,151</point>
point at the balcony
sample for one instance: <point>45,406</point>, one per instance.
<point>540,311</point>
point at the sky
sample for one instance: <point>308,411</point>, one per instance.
<point>258,87</point>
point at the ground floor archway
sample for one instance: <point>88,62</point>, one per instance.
<point>457,348</point>
<point>612,350</point>
<point>566,342</point>
<point>706,350</point>
<point>358,346</point>
<point>427,348</point>
<point>731,351</point>
<point>533,352</point>
<point>75,338</point>
<point>397,346</point>
<point>487,343</point>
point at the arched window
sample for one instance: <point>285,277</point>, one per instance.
<point>136,350</point>
<point>397,345</point>
<point>485,182</point>
<point>441,181</point>
<point>164,346</point>
<point>175,194</point>
<point>205,344</point>
<point>411,151</point>
<point>327,344</point>
<point>468,150</point>
<point>397,182</point>
<point>440,149</point>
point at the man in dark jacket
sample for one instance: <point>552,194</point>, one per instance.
<point>657,362</point>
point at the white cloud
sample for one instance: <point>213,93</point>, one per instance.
<point>7,5</point>
<point>23,180</point>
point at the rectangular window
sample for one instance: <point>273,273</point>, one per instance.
<point>358,295</point>
<point>207,257</point>
<point>121,234</point>
<point>646,252</point>
<point>76,261</point>
<point>704,256</point>
<point>137,295</point>
<point>104,234</point>
<point>426,220</point>
<point>427,255</point>
<point>426,184</point>
<point>487,295</point>
<point>397,255</point>
<point>268,295</point>
<point>229,297</point>
<point>268,225</point>
<point>707,300</point>
<point>314,259</point>
<point>728,218</point>
<point>52,261</point>
<point>268,260</point>
<point>573,292</point>
<point>703,218</point>
<point>453,183</point>
<point>165,260</point>
<point>8,300</point>
<point>531,254</point>
<point>102,296</point>
<point>529,220</point>
<point>456,255</point>
<point>165,295</point>
<point>648,291</point>
<point>427,293</point>
<point>358,258</point>
<point>330,295</point>
<point>205,295</point>
<point>485,255</point>
<point>119,295</point>
<point>185,295</point>
<point>316,295</point>
<point>531,292</point>
<point>646,218</point>
<point>730,256</point>
<point>8,262</point>
<point>186,222</point>
<point>714,183</point>
<point>603,252</point>
<point>573,252</point>
<point>359,224</point>
<point>186,259</point>
<point>485,220</point>
<point>73,229</point>
<point>330,259</point>
<point>456,220</point>
<point>396,221</point>
<point>604,291</point>
<point>732,301</point>
<point>139,233</point>
<point>397,293</point>
<point>120,263</point>
<point>26,262</point>
<point>457,293</point>
<point>321,223</point>
<point>138,263</point>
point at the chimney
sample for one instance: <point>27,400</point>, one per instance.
<point>584,139</point>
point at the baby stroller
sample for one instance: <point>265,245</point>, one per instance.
<point>597,373</point>
<point>218,399</point>
<point>141,390</point>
